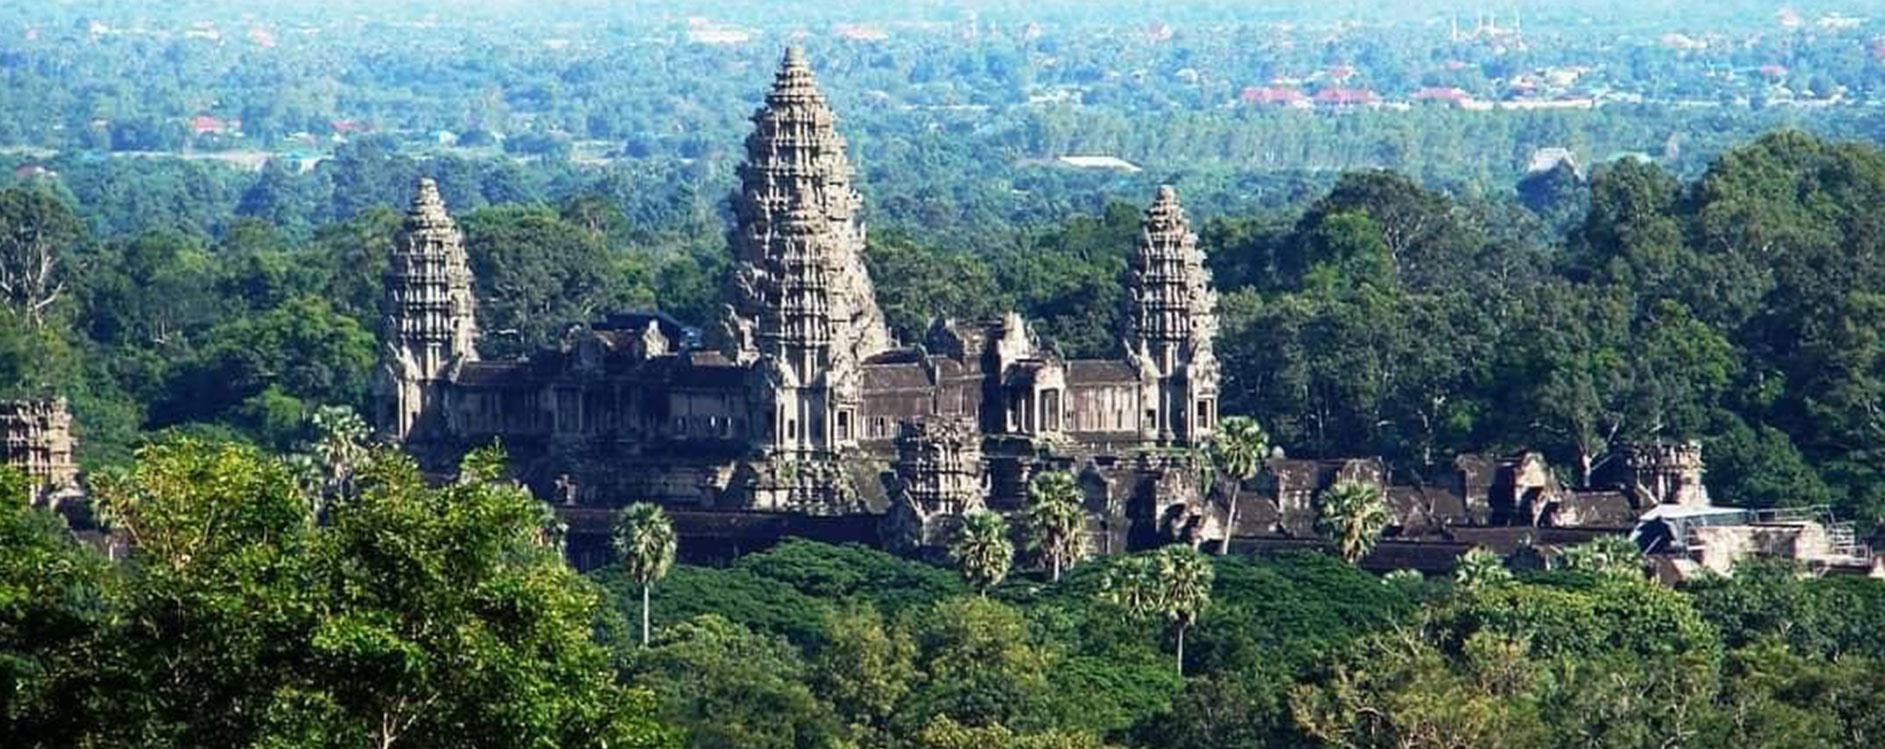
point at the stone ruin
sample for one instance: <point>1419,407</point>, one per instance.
<point>38,441</point>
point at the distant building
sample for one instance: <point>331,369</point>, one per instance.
<point>858,32</point>
<point>1100,162</point>
<point>1452,97</point>
<point>800,414</point>
<point>1274,96</point>
<point>1547,159</point>
<point>1346,98</point>
<point>203,124</point>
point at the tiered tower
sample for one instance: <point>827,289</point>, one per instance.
<point>36,437</point>
<point>428,324</point>
<point>801,299</point>
<point>938,478</point>
<point>1666,473</point>
<point>1171,318</point>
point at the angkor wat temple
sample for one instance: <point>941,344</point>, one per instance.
<point>801,403</point>
<point>800,414</point>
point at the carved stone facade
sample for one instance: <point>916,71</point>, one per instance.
<point>1666,473</point>
<point>428,325</point>
<point>801,404</point>
<point>937,478</point>
<point>801,299</point>
<point>1171,312</point>
<point>36,436</point>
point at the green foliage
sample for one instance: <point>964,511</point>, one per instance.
<point>728,686</point>
<point>1236,453</point>
<point>1611,557</point>
<point>413,616</point>
<point>1055,520</point>
<point>977,666</point>
<point>1353,515</point>
<point>645,542</point>
<point>1480,569</point>
<point>982,550</point>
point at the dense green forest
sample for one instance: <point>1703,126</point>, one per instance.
<point>330,598</point>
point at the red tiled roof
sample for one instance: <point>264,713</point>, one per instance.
<point>1343,97</point>
<point>1271,95</point>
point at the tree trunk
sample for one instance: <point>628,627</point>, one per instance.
<point>1230,519</point>
<point>644,615</point>
<point>1181,651</point>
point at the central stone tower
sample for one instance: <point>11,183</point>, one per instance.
<point>802,308</point>
<point>1171,319</point>
<point>427,325</point>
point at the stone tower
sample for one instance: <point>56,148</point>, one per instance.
<point>427,323</point>
<point>36,439</point>
<point>1171,325</point>
<point>1666,473</point>
<point>937,478</point>
<point>801,301</point>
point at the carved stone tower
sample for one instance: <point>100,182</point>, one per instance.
<point>937,479</point>
<point>801,300</point>
<point>1171,319</point>
<point>36,438</point>
<point>1666,473</point>
<point>427,323</point>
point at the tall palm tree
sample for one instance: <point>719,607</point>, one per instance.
<point>645,540</point>
<point>1236,455</point>
<point>1055,521</point>
<point>1173,583</point>
<point>341,450</point>
<point>1354,515</point>
<point>1184,578</point>
<point>981,547</point>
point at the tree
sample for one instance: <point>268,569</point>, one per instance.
<point>1173,583</point>
<point>1353,516</point>
<point>1479,569</point>
<point>977,665</point>
<point>536,273</point>
<point>341,449</point>
<point>1184,591</point>
<point>35,231</point>
<point>1607,556</point>
<point>644,539</point>
<point>50,619</point>
<point>729,686</point>
<point>453,618</point>
<point>415,617</point>
<point>1055,521</point>
<point>1236,453</point>
<point>982,550</point>
<point>864,668</point>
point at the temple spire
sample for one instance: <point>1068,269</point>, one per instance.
<point>800,295</point>
<point>1171,319</point>
<point>428,321</point>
